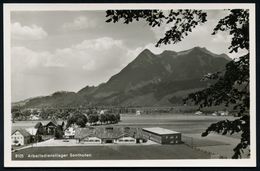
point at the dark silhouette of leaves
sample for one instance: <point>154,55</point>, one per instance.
<point>237,23</point>
<point>183,20</point>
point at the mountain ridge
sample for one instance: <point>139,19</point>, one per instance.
<point>156,74</point>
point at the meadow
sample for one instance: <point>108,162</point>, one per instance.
<point>110,152</point>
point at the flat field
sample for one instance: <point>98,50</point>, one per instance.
<point>184,123</point>
<point>110,152</point>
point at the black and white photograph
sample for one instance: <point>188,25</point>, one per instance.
<point>129,85</point>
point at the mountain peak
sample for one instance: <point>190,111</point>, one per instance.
<point>147,52</point>
<point>168,53</point>
<point>198,48</point>
<point>205,50</point>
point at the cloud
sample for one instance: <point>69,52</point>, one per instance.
<point>94,54</point>
<point>222,38</point>
<point>32,32</point>
<point>89,62</point>
<point>79,23</point>
<point>200,36</point>
<point>26,59</point>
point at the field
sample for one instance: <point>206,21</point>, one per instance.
<point>184,123</point>
<point>111,152</point>
<point>191,127</point>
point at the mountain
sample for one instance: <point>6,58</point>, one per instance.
<point>149,80</point>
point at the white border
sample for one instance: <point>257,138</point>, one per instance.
<point>124,163</point>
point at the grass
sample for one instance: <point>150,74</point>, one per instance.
<point>180,151</point>
<point>201,142</point>
<point>184,123</point>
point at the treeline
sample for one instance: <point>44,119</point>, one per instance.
<point>55,113</point>
<point>93,119</point>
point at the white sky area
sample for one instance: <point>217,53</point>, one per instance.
<point>68,50</point>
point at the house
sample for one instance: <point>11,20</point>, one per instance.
<point>34,117</point>
<point>223,113</point>
<point>162,136</point>
<point>214,113</point>
<point>35,134</point>
<point>107,135</point>
<point>138,112</point>
<point>33,131</point>
<point>20,137</point>
<point>198,113</point>
<point>69,132</point>
<point>50,126</point>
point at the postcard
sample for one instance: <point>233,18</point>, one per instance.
<point>129,85</point>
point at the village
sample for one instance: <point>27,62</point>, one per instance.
<point>46,134</point>
<point>90,126</point>
<point>82,129</point>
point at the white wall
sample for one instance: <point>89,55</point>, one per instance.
<point>91,140</point>
<point>69,132</point>
<point>19,137</point>
<point>126,140</point>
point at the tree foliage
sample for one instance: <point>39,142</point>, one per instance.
<point>79,119</point>
<point>103,118</point>
<point>92,118</point>
<point>182,21</point>
<point>237,23</point>
<point>232,85</point>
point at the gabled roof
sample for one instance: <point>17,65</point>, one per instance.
<point>22,131</point>
<point>32,131</point>
<point>83,132</point>
<point>54,122</point>
<point>108,132</point>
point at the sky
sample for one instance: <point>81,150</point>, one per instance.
<point>68,50</point>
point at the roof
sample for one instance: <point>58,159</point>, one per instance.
<point>38,125</point>
<point>22,131</point>
<point>55,122</point>
<point>160,131</point>
<point>32,131</point>
<point>108,132</point>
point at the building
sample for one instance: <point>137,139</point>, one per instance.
<point>108,135</point>
<point>138,112</point>
<point>69,132</point>
<point>87,135</point>
<point>36,134</point>
<point>34,117</point>
<point>20,137</point>
<point>198,113</point>
<point>50,126</point>
<point>162,136</point>
<point>33,131</point>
